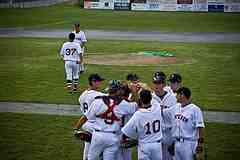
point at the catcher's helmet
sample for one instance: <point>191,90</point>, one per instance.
<point>175,77</point>
<point>114,85</point>
<point>159,77</point>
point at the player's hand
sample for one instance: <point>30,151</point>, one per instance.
<point>78,62</point>
<point>199,148</point>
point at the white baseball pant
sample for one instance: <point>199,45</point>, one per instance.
<point>167,141</point>
<point>150,151</point>
<point>88,126</point>
<point>71,69</point>
<point>106,143</point>
<point>185,150</point>
<point>124,154</point>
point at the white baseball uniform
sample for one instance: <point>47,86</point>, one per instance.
<point>71,52</point>
<point>185,123</point>
<point>105,138</point>
<point>145,125</point>
<point>167,101</point>
<point>85,100</point>
<point>125,153</point>
<point>169,89</point>
<point>80,38</point>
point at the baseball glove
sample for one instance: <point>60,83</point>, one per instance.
<point>128,143</point>
<point>83,135</point>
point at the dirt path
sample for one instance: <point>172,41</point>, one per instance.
<point>73,110</point>
<point>126,35</point>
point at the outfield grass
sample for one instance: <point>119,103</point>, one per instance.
<point>31,70</point>
<point>32,136</point>
<point>64,16</point>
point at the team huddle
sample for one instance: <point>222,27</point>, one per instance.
<point>161,120</point>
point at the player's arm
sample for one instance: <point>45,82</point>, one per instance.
<point>83,119</point>
<point>200,143</point>
<point>200,129</point>
<point>80,53</point>
<point>84,40</point>
<point>62,52</point>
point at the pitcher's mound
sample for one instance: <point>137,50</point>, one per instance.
<point>131,59</point>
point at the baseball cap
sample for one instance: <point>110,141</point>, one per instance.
<point>132,77</point>
<point>95,77</point>
<point>114,84</point>
<point>159,77</point>
<point>175,77</point>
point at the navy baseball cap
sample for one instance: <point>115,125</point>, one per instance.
<point>175,77</point>
<point>95,77</point>
<point>159,77</point>
<point>132,77</point>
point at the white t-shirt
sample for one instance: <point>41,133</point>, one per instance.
<point>86,99</point>
<point>145,125</point>
<point>98,106</point>
<point>80,37</point>
<point>71,51</point>
<point>185,121</point>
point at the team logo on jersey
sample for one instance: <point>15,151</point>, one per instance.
<point>181,117</point>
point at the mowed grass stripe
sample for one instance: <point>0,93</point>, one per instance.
<point>31,70</point>
<point>64,16</point>
<point>33,136</point>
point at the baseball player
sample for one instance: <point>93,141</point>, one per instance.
<point>187,126</point>
<point>107,112</point>
<point>85,100</point>
<point>80,38</point>
<point>72,55</point>
<point>165,100</point>
<point>175,80</point>
<point>135,85</point>
<point>125,153</point>
<point>145,125</point>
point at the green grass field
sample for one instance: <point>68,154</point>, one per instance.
<point>31,136</point>
<point>64,16</point>
<point>31,70</point>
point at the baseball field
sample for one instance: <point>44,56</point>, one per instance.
<point>31,71</point>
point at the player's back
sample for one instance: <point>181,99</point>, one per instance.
<point>148,123</point>
<point>79,37</point>
<point>86,98</point>
<point>98,107</point>
<point>71,51</point>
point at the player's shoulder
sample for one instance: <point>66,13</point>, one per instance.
<point>92,93</point>
<point>167,88</point>
<point>194,107</point>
